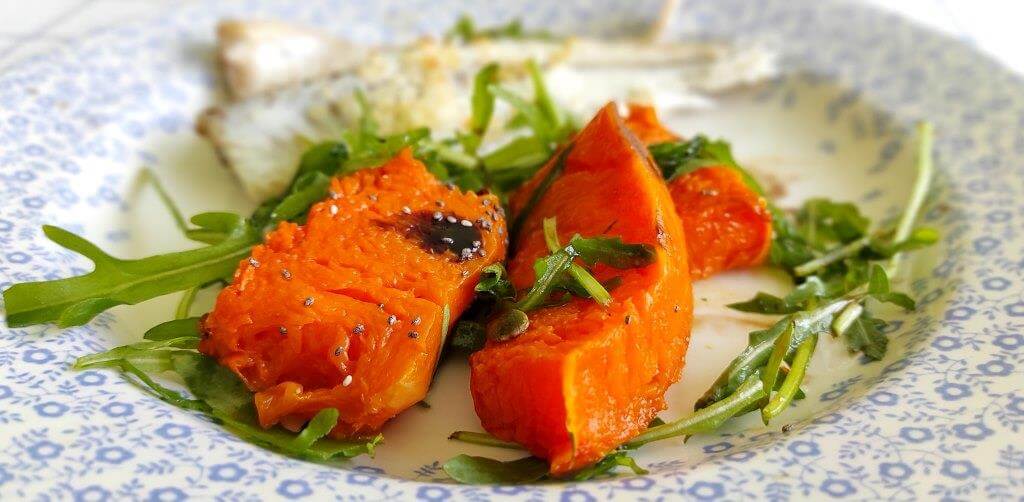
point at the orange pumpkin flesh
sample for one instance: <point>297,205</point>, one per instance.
<point>307,322</point>
<point>727,223</point>
<point>584,378</point>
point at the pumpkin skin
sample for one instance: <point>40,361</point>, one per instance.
<point>347,310</point>
<point>584,378</point>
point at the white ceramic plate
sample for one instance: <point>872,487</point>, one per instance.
<point>941,416</point>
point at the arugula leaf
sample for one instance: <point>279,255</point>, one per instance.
<point>678,158</point>
<point>764,303</point>
<point>878,282</point>
<point>494,281</point>
<point>318,427</point>
<point>612,251</point>
<point>789,249</point>
<point>177,328</point>
<point>215,385</point>
<point>879,289</point>
<point>823,222</point>
<point>75,301</point>
<point>553,272</point>
<point>215,227</point>
<point>863,335</point>
<point>185,303</point>
<point>148,354</point>
<point>163,393</point>
<point>543,117</point>
<point>584,282</point>
<point>512,164</point>
<point>590,286</point>
<point>484,471</point>
<point>307,190</point>
<point>325,158</point>
<point>368,151</point>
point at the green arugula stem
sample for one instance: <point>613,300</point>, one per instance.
<point>534,298</point>
<point>754,356</point>
<point>609,462</point>
<point>453,156</point>
<point>550,231</point>
<point>775,360</point>
<point>705,419</point>
<point>522,152</point>
<point>589,283</point>
<point>922,184</point>
<point>791,385</point>
<point>847,317</point>
<point>838,254</point>
<point>147,174</point>
<point>483,439</point>
<point>185,303</point>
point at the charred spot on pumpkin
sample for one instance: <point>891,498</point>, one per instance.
<point>204,332</point>
<point>438,232</point>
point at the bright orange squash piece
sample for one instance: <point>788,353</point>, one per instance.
<point>728,225</point>
<point>584,378</point>
<point>347,311</point>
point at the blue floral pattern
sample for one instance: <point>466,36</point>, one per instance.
<point>942,417</point>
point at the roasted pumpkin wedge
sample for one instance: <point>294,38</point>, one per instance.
<point>727,223</point>
<point>584,377</point>
<point>350,310</point>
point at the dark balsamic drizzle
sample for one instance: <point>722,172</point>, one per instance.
<point>440,235</point>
